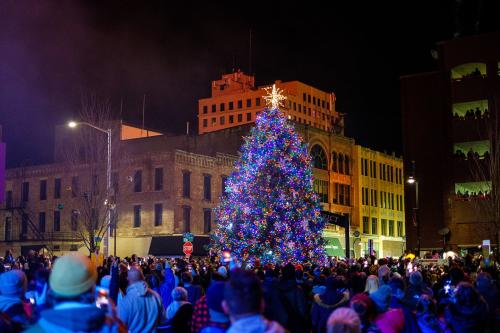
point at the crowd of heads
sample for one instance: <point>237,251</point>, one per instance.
<point>143,294</point>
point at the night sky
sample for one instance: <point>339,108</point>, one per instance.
<point>53,51</point>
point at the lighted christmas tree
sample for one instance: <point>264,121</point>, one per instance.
<point>270,210</point>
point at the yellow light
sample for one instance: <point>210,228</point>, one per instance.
<point>411,180</point>
<point>274,98</point>
<point>72,124</point>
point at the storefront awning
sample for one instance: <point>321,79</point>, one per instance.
<point>172,246</point>
<point>333,247</point>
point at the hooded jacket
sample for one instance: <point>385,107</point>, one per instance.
<point>141,309</point>
<point>75,317</point>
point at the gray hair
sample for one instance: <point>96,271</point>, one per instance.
<point>179,294</point>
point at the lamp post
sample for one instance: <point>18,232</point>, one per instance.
<point>74,124</point>
<point>412,181</point>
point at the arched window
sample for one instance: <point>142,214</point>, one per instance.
<point>347,166</point>
<point>334,162</point>
<point>341,163</point>
<point>319,157</point>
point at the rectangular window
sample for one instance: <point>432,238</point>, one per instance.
<point>43,189</point>
<point>249,116</point>
<point>214,121</point>
<point>8,199</point>
<point>392,201</point>
<point>186,217</point>
<point>138,181</point>
<point>24,224</point>
<point>371,168</point>
<point>341,194</point>
<point>363,199</point>
<point>158,179</point>
<point>336,193</point>
<point>257,101</point>
<point>158,214</point>
<point>374,226</point>
<point>74,220</point>
<point>392,174</point>
<point>57,188</point>
<point>231,119</point>
<point>304,98</point>
<point>214,107</point>
<point>222,106</point>
<point>207,188</point>
<point>240,118</point>
<point>372,201</point>
<point>223,191</point>
<point>374,169</point>
<point>57,220</point>
<point>240,104</point>
<point>375,197</point>
<point>391,228</point>
<point>366,167</point>
<point>366,225</point>
<point>294,106</point>
<point>231,105</point>
<point>207,220</point>
<point>347,195</point>
<point>314,100</point>
<point>137,216</point>
<point>41,221</point>
<point>186,184</point>
<point>308,98</point>
<point>382,199</point>
<point>400,228</point>
<point>321,188</point>
<point>383,227</point>
<point>362,167</point>
<point>205,108</point>
<point>8,229</point>
<point>249,103</point>
<point>222,120</point>
<point>205,122</point>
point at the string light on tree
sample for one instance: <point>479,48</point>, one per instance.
<point>271,211</point>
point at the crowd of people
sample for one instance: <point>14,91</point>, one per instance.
<point>40,293</point>
<point>476,113</point>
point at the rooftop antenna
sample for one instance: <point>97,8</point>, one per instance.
<point>187,128</point>
<point>143,108</point>
<point>250,53</point>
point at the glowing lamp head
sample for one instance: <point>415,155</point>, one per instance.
<point>411,180</point>
<point>72,124</point>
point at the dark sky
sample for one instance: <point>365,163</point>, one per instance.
<point>52,51</point>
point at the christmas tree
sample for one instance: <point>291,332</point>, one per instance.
<point>270,210</point>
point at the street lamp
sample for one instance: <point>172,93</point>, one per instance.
<point>412,181</point>
<point>74,124</point>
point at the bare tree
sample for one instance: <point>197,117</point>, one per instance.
<point>86,151</point>
<point>486,169</point>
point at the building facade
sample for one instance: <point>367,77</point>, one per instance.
<point>449,116</point>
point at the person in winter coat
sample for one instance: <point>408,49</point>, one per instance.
<point>468,312</point>
<point>167,286</point>
<point>489,292</point>
<point>194,291</point>
<point>364,307</point>
<point>219,321</point>
<point>12,289</point>
<point>416,288</point>
<point>427,318</point>
<point>72,282</point>
<point>274,309</point>
<point>179,312</point>
<point>387,320</point>
<point>141,308</point>
<point>244,304</point>
<point>335,296</point>
<point>293,301</point>
<point>397,285</point>
<point>371,284</point>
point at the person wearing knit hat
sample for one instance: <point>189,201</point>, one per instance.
<point>222,270</point>
<point>415,289</point>
<point>72,282</point>
<point>387,320</point>
<point>12,288</point>
<point>219,321</point>
<point>343,320</point>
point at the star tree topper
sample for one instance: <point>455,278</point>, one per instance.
<point>274,98</point>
